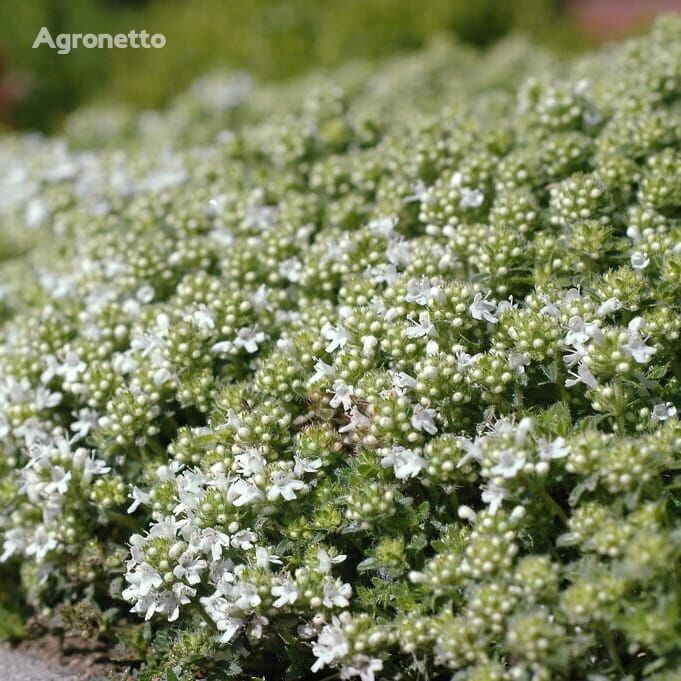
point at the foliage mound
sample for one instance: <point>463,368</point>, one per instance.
<point>371,375</point>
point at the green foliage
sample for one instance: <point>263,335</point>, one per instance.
<point>272,39</point>
<point>373,374</point>
<point>56,83</point>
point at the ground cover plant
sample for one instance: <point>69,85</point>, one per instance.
<point>371,375</point>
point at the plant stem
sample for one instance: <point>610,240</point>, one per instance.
<point>560,382</point>
<point>554,505</point>
<point>619,405</point>
<point>612,650</point>
<point>124,520</point>
<point>518,397</point>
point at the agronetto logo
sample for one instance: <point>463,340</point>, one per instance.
<point>65,42</point>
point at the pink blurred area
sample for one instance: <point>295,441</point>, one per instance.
<point>604,19</point>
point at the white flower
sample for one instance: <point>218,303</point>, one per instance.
<point>214,206</point>
<point>493,495</point>
<point>143,579</point>
<point>43,541</point>
<point>145,294</point>
<point>552,449</point>
<point>322,370</point>
<point>261,218</point>
<point>406,463</point>
<point>243,492</point>
<point>663,412</point>
<point>505,306</point>
<point>636,345</point>
<point>357,420</point>
<point>423,419</point>
<point>71,367</point>
<point>245,595</point>
<point>229,626</point>
<point>4,426</point>
<point>550,308</point>
<point>464,360</point>
<point>418,291</point>
<point>303,465</point>
<point>471,198</point>
<point>419,192</point>
<point>385,273</point>
<point>401,381</point>
<point>336,594</point>
<point>518,361</point>
<point>337,337</point>
<point>51,369</point>
<point>581,332</point>
<point>139,496</point>
<point>210,540</point>
<point>362,666</point>
<point>576,356</point>
<point>398,254</point>
<point>36,213</point>
<point>220,611</point>
<point>181,594</point>
<point>482,309</point>
<point>222,347</point>
<point>284,485</point>
<point>85,423</point>
<point>45,399</point>
<point>523,429</point>
<point>286,593</point>
<point>582,87</point>
<point>146,604</point>
<point>369,343</point>
<point>422,291</point>
<point>291,269</point>
<point>509,464</point>
<point>202,318</point>
<point>342,395</point>
<point>583,375</point>
<point>249,339</point>
<point>473,449</point>
<point>383,226</point>
<point>244,539</point>
<point>14,542</point>
<point>189,567</point>
<point>639,261</point>
<point>422,328</point>
<point>60,481</point>
<point>607,307</point>
<point>331,645</point>
<point>250,462</point>
<point>456,179</point>
<point>326,561</point>
<point>263,558</point>
<point>260,299</point>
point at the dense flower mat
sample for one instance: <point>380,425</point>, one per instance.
<point>373,375</point>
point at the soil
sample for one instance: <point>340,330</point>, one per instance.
<point>49,659</point>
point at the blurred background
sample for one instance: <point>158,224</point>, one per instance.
<point>272,39</point>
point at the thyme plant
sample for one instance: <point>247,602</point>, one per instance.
<point>371,375</point>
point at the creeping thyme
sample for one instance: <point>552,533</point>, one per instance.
<point>375,374</point>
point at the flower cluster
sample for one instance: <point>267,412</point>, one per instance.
<point>373,374</point>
